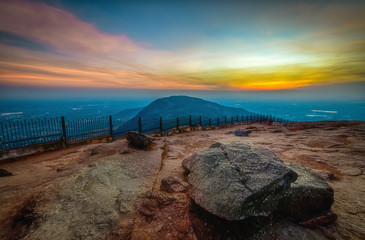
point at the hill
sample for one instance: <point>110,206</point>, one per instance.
<point>180,106</point>
<point>127,114</point>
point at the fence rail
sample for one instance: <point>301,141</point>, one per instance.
<point>23,133</point>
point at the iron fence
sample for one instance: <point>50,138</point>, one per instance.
<point>23,133</point>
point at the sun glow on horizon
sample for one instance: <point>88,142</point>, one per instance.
<point>51,46</point>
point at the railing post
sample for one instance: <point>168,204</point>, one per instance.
<point>111,126</point>
<point>210,122</point>
<point>64,137</point>
<point>3,137</point>
<point>189,120</point>
<point>177,123</point>
<point>161,129</point>
<point>200,120</point>
<point>139,124</point>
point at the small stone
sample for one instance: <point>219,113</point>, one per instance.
<point>319,221</point>
<point>126,151</point>
<point>277,131</point>
<point>197,128</point>
<point>325,175</point>
<point>349,171</point>
<point>242,133</point>
<point>139,140</point>
<point>4,173</point>
<point>173,184</point>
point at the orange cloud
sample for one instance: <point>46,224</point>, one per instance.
<point>80,55</point>
<point>32,68</point>
<point>59,29</point>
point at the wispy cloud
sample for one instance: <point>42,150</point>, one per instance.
<point>299,45</point>
<point>59,29</point>
<point>26,67</point>
<point>79,54</point>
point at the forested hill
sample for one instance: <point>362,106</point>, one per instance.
<point>181,106</point>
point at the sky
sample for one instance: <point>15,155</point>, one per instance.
<point>227,46</point>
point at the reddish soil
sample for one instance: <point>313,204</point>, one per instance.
<point>41,184</point>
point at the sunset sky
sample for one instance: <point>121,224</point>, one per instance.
<point>182,45</point>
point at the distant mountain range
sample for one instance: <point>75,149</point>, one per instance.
<point>180,106</point>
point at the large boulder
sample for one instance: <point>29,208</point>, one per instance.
<point>138,139</point>
<point>307,196</point>
<point>235,182</point>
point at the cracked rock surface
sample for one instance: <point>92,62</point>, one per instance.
<point>307,196</point>
<point>95,202</point>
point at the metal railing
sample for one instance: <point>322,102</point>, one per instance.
<point>23,133</point>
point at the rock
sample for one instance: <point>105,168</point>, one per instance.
<point>197,127</point>
<point>350,171</point>
<point>277,131</point>
<point>307,196</point>
<point>173,184</point>
<point>138,139</point>
<point>91,165</point>
<point>148,208</point>
<point>105,149</point>
<point>125,205</point>
<point>4,173</point>
<point>235,182</point>
<point>320,220</point>
<point>242,133</point>
<point>325,175</point>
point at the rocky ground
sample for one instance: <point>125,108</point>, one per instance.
<point>113,191</point>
